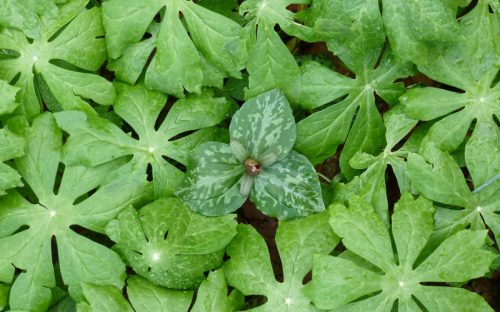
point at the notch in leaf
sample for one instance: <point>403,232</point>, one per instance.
<point>374,274</point>
<point>258,163</point>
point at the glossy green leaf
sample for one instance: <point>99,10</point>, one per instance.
<point>249,268</point>
<point>61,61</point>
<point>212,295</point>
<point>8,101</point>
<point>170,245</point>
<point>346,285</point>
<point>80,259</point>
<point>179,59</point>
<point>438,177</point>
<point>95,140</point>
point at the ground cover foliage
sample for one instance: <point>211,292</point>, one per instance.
<point>257,155</point>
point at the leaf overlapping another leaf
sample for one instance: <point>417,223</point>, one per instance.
<point>57,66</point>
<point>211,51</point>
<point>396,273</point>
<point>52,215</point>
<point>284,184</point>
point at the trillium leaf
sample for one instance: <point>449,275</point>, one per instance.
<point>62,62</point>
<point>212,184</point>
<point>265,125</point>
<point>178,62</point>
<point>80,259</point>
<point>345,285</point>
<point>95,140</point>
<point>288,189</point>
<point>193,245</point>
<point>249,268</point>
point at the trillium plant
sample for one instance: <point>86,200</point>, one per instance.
<point>258,163</point>
<point>249,155</point>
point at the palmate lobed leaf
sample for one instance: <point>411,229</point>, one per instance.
<point>356,35</point>
<point>169,244</point>
<point>27,16</point>
<point>80,259</point>
<point>341,283</point>
<point>95,140</point>
<point>57,66</point>
<point>145,297</point>
<point>270,63</point>
<point>371,184</point>
<point>213,47</point>
<point>249,268</point>
<point>438,177</point>
<point>262,132</point>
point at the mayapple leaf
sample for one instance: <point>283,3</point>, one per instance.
<point>212,296</point>
<point>344,284</point>
<point>357,37</point>
<point>27,16</point>
<point>8,102</point>
<point>170,245</point>
<point>437,176</point>
<point>11,146</point>
<point>270,63</point>
<point>58,66</point>
<point>249,268</point>
<point>258,163</point>
<point>27,230</point>
<point>95,140</point>
<point>186,49</point>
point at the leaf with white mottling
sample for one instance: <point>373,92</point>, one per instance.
<point>212,184</point>
<point>288,189</point>
<point>264,125</point>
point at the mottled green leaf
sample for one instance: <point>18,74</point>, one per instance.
<point>288,189</point>
<point>212,183</point>
<point>264,126</point>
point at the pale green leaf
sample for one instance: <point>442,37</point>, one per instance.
<point>249,268</point>
<point>64,62</point>
<point>264,126</point>
<point>288,189</point>
<point>8,101</point>
<point>146,297</point>
<point>212,295</point>
<point>169,244</point>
